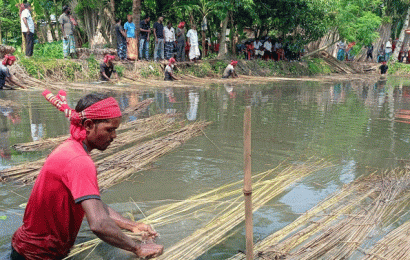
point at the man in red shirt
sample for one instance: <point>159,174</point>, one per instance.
<point>66,189</point>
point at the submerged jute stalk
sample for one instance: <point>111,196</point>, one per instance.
<point>393,246</point>
<point>337,227</point>
<point>224,203</point>
<point>217,230</point>
<point>142,129</point>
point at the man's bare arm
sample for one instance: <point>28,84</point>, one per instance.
<point>105,228</point>
<point>12,80</point>
<point>130,225</point>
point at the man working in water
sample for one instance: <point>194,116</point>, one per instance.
<point>5,76</point>
<point>66,189</point>
<point>107,68</point>
<point>169,70</point>
<point>230,70</point>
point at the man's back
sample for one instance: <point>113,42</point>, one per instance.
<point>54,213</point>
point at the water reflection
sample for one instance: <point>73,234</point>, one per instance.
<point>353,124</point>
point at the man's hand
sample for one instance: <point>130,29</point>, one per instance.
<point>147,231</point>
<point>149,250</point>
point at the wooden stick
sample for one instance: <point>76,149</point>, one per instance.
<point>247,189</point>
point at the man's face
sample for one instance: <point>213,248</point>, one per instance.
<point>169,26</point>
<point>161,19</point>
<point>129,18</point>
<point>147,20</point>
<point>10,62</point>
<point>100,136</point>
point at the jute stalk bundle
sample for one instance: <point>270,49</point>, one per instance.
<point>337,235</point>
<point>393,246</point>
<point>144,128</point>
<point>216,231</point>
<point>138,107</point>
<point>329,204</point>
<point>225,203</point>
<point>51,143</point>
<point>8,103</point>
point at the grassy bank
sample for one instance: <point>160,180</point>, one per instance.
<point>88,70</point>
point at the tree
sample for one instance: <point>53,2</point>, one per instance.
<point>401,37</point>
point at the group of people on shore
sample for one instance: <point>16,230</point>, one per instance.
<point>268,49</point>
<point>384,53</point>
<point>169,43</point>
<point>66,21</point>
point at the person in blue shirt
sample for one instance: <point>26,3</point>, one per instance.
<point>129,28</point>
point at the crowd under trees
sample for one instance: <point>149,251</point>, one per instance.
<point>302,21</point>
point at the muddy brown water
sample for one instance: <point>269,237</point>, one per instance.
<point>350,123</point>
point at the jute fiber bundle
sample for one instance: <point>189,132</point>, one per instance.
<point>142,129</point>
<point>340,225</point>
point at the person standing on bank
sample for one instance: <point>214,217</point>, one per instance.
<point>388,50</point>
<point>370,52</point>
<point>181,42</point>
<point>67,29</point>
<point>132,43</point>
<point>144,37</point>
<point>67,189</point>
<point>192,36</point>
<point>27,27</point>
<point>159,39</point>
<point>169,41</point>
<point>121,40</point>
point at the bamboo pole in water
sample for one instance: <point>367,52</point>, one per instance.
<point>247,188</point>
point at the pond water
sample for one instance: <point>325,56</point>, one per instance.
<point>351,124</point>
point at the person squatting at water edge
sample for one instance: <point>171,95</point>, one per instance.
<point>383,69</point>
<point>230,70</point>
<point>5,76</point>
<point>169,73</point>
<point>107,68</point>
<point>67,189</point>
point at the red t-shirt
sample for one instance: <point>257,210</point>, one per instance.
<point>54,213</point>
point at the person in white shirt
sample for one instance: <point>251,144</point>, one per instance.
<point>268,49</point>
<point>27,27</point>
<point>169,34</point>
<point>230,70</point>
<point>192,36</point>
<point>258,48</point>
<point>388,49</point>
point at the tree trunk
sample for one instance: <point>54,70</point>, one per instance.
<point>222,43</point>
<point>57,25</point>
<point>47,15</point>
<point>112,9</point>
<point>136,11</point>
<point>402,37</point>
<point>1,40</point>
<point>204,53</point>
<point>232,35</point>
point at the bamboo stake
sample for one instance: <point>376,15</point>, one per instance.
<point>247,188</point>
